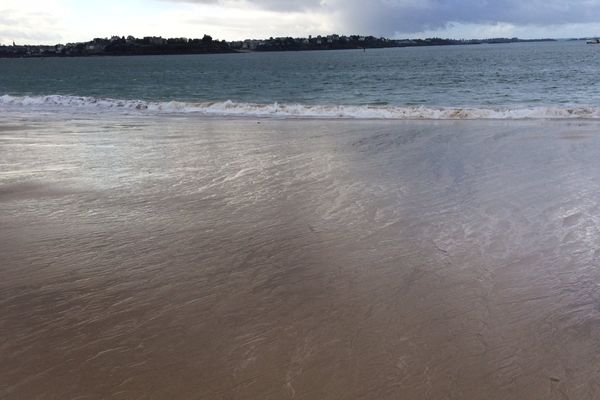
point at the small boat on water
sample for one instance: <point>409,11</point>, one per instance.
<point>593,41</point>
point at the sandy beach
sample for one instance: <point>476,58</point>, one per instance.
<point>203,258</point>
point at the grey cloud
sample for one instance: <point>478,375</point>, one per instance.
<point>27,27</point>
<point>386,17</point>
<point>288,5</point>
<point>274,5</point>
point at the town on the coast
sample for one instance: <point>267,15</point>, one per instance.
<point>156,45</point>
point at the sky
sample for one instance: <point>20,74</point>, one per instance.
<point>63,21</point>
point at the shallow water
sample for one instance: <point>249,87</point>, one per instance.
<point>192,258</point>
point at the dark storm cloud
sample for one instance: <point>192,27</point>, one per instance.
<point>389,16</point>
<point>413,16</point>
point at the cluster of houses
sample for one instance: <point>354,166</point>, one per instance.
<point>30,51</point>
<point>118,45</point>
<point>330,40</point>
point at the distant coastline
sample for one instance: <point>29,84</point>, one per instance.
<point>153,45</point>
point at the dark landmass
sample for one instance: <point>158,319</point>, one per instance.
<point>152,45</point>
<point>581,39</point>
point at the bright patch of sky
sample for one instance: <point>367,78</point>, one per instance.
<point>61,21</point>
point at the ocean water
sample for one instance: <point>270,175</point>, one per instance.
<point>524,80</point>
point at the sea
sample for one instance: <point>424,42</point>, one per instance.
<point>518,80</point>
<point>411,223</point>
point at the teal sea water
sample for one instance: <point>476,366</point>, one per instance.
<point>524,80</point>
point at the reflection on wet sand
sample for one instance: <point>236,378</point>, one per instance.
<point>207,259</point>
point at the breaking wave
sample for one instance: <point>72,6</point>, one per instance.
<point>240,109</point>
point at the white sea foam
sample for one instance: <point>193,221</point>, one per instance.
<point>230,108</point>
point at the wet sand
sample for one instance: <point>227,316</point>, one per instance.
<point>181,258</point>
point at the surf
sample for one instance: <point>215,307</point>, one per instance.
<point>231,108</point>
